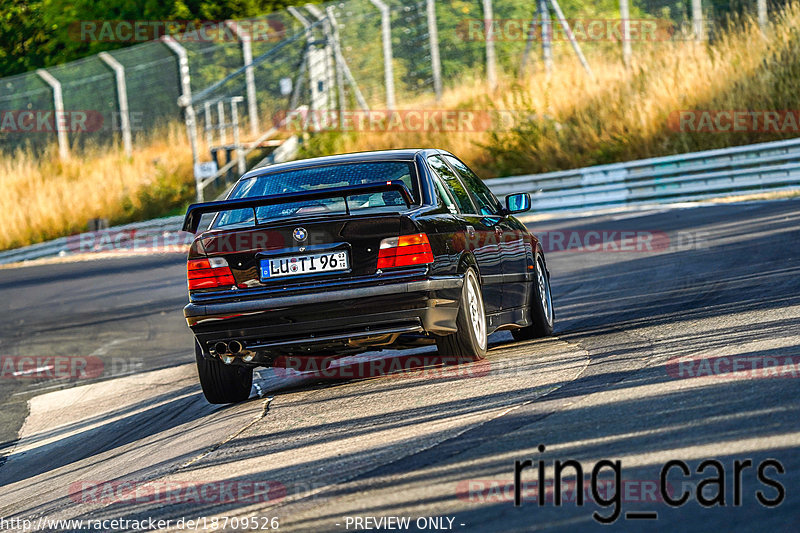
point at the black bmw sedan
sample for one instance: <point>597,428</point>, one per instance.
<point>338,255</point>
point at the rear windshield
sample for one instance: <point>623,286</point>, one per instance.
<point>317,178</point>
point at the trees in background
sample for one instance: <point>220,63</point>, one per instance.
<point>42,33</point>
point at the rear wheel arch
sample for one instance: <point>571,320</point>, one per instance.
<point>538,251</point>
<point>466,261</point>
<point>542,320</point>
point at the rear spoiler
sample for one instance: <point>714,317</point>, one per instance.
<point>196,211</point>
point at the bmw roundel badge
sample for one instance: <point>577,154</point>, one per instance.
<point>300,234</point>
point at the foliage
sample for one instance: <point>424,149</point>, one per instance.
<point>42,33</point>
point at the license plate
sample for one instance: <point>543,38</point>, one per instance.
<point>296,265</point>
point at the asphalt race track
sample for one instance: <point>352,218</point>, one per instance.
<point>435,445</point>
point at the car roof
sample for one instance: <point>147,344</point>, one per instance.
<point>406,154</point>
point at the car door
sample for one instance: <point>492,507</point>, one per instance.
<point>510,234</point>
<point>479,235</point>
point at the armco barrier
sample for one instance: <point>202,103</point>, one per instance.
<point>683,177</point>
<point>61,246</point>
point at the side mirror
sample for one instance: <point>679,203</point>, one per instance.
<point>518,203</point>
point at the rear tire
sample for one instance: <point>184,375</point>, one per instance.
<point>222,383</point>
<point>469,343</point>
<point>541,306</point>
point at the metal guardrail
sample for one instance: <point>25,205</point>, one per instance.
<point>70,245</point>
<point>683,177</point>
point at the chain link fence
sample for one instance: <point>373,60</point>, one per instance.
<point>325,57</point>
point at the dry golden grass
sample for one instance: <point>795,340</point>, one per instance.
<point>46,198</point>
<point>626,114</point>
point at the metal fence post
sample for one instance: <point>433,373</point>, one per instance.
<point>313,72</point>
<point>342,98</point>
<point>697,20</point>
<point>433,36</point>
<point>249,74</point>
<point>122,99</point>
<point>331,35</point>
<point>625,15</point>
<point>185,99</point>
<point>528,44</point>
<point>209,125</point>
<point>236,143</point>
<point>303,20</point>
<point>331,71</point>
<point>386,33</point>
<point>342,64</point>
<point>547,51</point>
<point>574,42</point>
<point>223,127</point>
<point>58,106</point>
<point>762,15</point>
<point>491,57</point>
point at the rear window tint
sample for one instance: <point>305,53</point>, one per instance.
<point>320,178</point>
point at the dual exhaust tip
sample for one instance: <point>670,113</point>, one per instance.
<point>229,351</point>
<point>228,348</point>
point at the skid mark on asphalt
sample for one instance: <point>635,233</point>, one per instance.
<point>215,447</point>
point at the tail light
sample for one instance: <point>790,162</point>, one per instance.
<point>404,251</point>
<point>209,273</point>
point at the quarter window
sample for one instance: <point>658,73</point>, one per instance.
<point>452,183</point>
<point>483,197</point>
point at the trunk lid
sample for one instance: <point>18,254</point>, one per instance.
<point>282,253</point>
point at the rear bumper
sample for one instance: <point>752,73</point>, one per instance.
<point>295,321</point>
